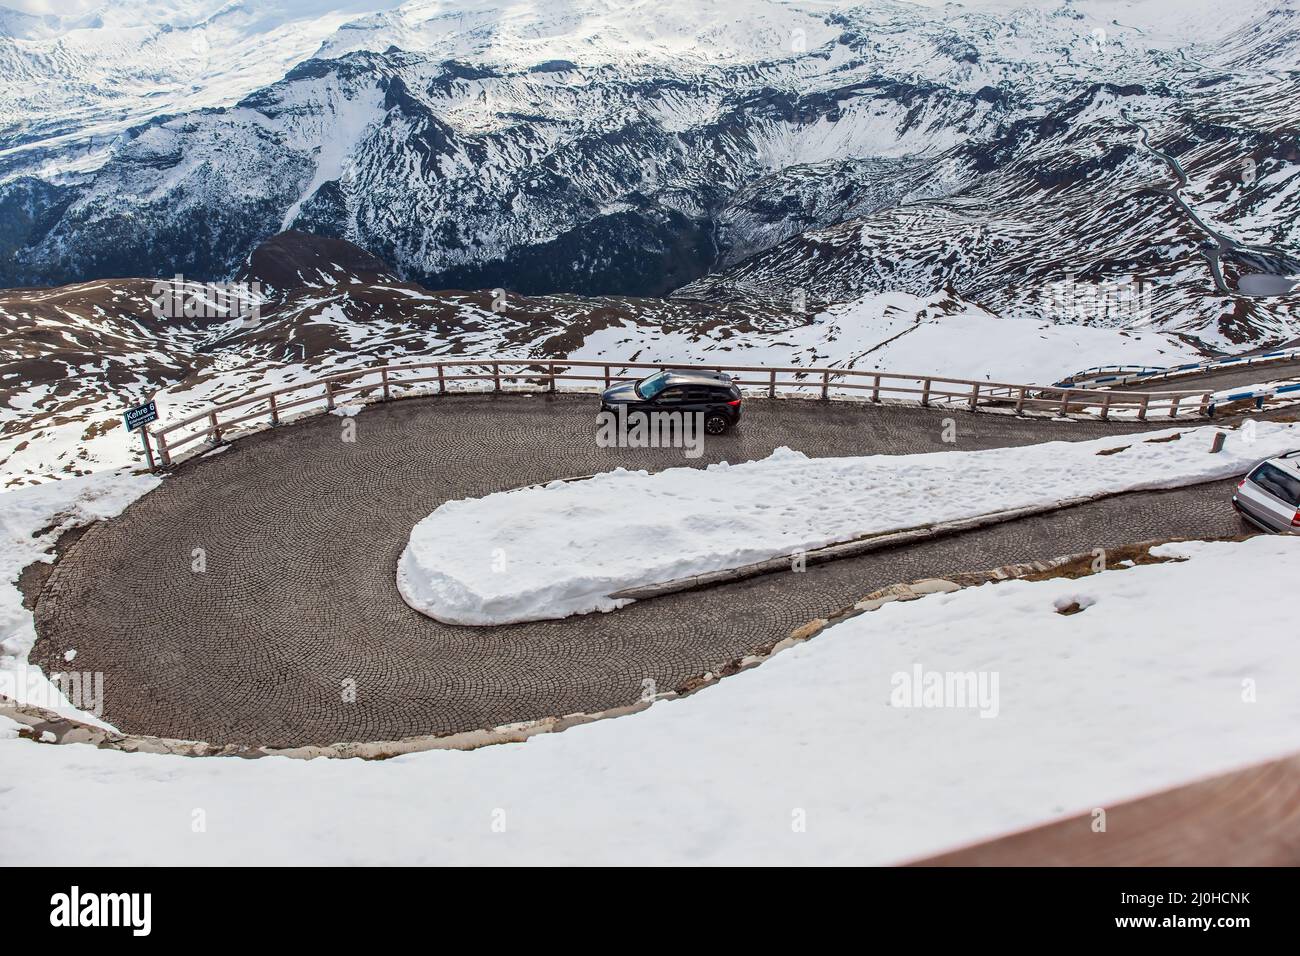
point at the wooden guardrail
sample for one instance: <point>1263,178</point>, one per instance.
<point>1111,373</point>
<point>1247,817</point>
<point>386,381</point>
<point>1124,374</point>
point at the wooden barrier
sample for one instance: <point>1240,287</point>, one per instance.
<point>1248,817</point>
<point>387,381</point>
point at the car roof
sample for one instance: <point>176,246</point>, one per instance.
<point>695,376</point>
<point>1289,461</point>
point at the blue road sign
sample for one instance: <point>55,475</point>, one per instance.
<point>141,415</point>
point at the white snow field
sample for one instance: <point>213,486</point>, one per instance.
<point>31,520</point>
<point>563,548</point>
<point>907,334</point>
<point>1171,672</point>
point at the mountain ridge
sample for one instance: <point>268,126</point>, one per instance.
<point>988,149</point>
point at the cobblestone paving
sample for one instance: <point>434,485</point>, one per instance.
<point>302,532</point>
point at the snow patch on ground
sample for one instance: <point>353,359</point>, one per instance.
<point>31,520</point>
<point>563,548</point>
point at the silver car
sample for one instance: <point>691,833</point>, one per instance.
<point>1269,496</point>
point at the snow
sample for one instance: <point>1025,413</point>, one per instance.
<point>31,520</point>
<point>563,548</point>
<point>590,32</point>
<point>904,333</point>
<point>106,72</point>
<point>335,137</point>
<point>1148,687</point>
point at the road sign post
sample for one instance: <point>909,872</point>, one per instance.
<point>137,418</point>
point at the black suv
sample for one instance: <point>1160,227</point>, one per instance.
<point>679,390</point>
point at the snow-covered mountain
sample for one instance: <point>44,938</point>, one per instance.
<point>1080,202</point>
<point>636,146</point>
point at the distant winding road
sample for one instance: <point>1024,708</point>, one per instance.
<point>1269,259</point>
<point>1217,379</point>
<point>302,532</point>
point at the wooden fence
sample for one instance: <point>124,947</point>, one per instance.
<point>390,381</point>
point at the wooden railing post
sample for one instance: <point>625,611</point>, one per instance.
<point>148,449</point>
<point>607,376</point>
<point>826,384</point>
<point>1173,406</point>
<point>1105,406</point>
<point>329,395</point>
<point>275,411</point>
<point>213,428</point>
<point>875,390</point>
<point>925,393</point>
<point>771,385</point>
<point>496,376</point>
<point>551,387</point>
<point>164,456</point>
<point>442,380</point>
<point>383,375</point>
<point>1020,400</point>
<point>974,395</point>
<point>1064,409</point>
<point>1205,403</point>
<point>1142,408</point>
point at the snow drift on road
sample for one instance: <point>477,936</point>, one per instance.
<point>564,548</point>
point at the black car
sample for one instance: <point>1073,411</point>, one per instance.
<point>679,390</point>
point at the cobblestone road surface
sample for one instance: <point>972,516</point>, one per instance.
<point>302,532</point>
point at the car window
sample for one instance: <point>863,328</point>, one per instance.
<point>675,394</point>
<point>1278,483</point>
<point>699,394</point>
<point>651,385</point>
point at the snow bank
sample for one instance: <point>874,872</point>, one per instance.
<point>561,549</point>
<point>1144,689</point>
<point>31,520</point>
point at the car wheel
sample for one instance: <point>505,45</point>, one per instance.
<point>716,424</point>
